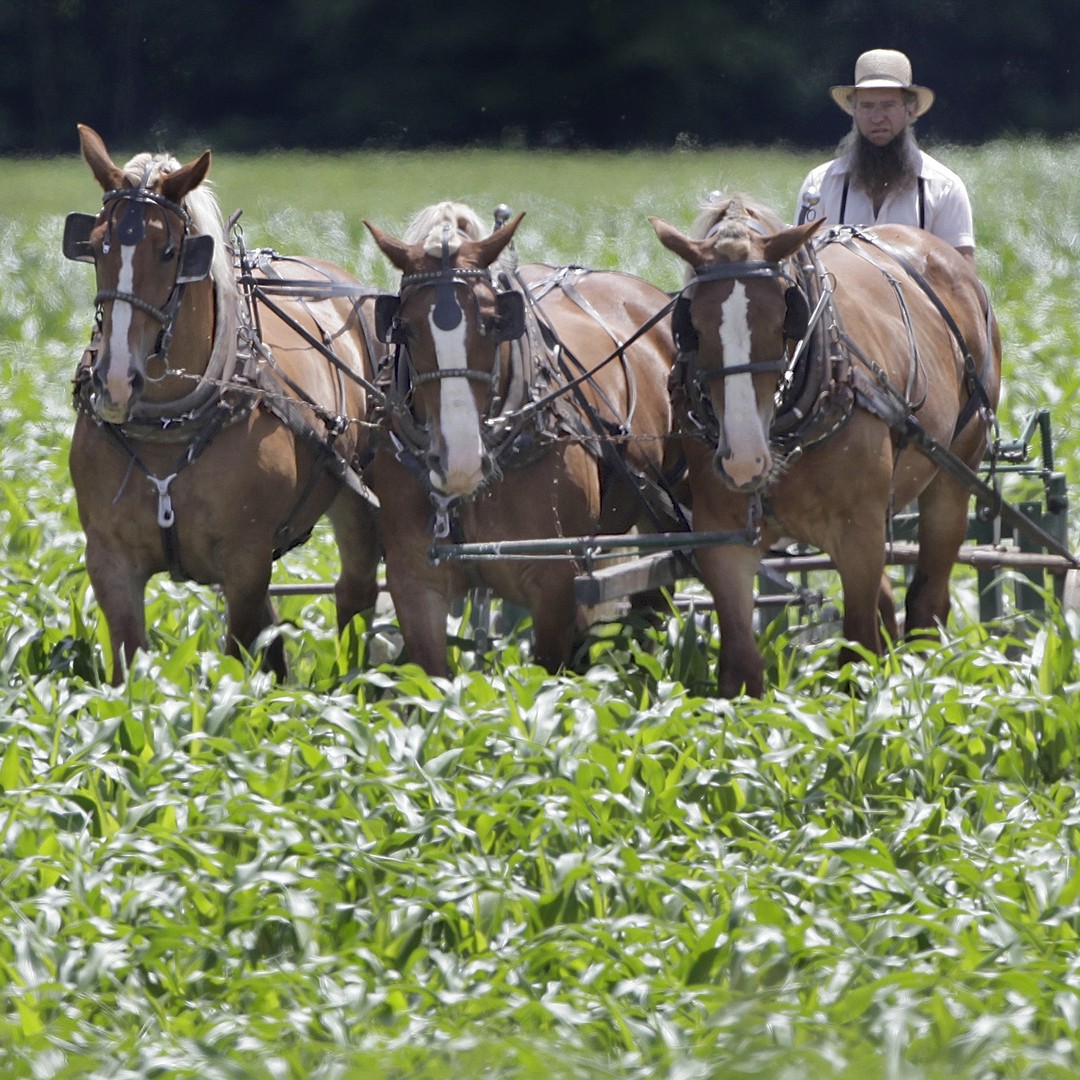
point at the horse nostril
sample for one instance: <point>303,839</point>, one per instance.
<point>138,381</point>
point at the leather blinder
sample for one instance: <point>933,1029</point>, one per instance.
<point>797,318</point>
<point>77,230</point>
<point>682,328</point>
<point>511,315</point>
<point>196,255</point>
<point>387,306</point>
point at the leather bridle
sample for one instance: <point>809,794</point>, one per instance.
<point>125,211</point>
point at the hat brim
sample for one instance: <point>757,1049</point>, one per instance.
<point>844,95</point>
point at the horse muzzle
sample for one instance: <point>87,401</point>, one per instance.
<point>456,459</point>
<point>744,475</point>
<point>456,483</point>
<point>113,397</point>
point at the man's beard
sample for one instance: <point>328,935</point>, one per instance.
<point>874,168</point>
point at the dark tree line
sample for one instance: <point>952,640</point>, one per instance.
<point>338,74</point>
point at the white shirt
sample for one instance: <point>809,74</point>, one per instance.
<point>946,206</point>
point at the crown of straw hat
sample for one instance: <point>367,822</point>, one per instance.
<point>882,68</point>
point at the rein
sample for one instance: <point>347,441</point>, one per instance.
<point>869,386</point>
<point>978,400</point>
<point>574,383</point>
<point>654,492</point>
<point>259,290</point>
<point>531,334</point>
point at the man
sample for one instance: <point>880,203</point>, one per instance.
<point>880,175</point>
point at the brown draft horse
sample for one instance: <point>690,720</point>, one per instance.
<point>522,404</point>
<point>211,431</point>
<point>805,424</point>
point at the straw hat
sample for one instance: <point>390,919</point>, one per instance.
<point>882,68</point>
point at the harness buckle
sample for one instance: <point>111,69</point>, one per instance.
<point>442,515</point>
<point>166,518</point>
<point>755,516</point>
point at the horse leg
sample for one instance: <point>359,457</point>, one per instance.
<point>356,531</point>
<point>422,610</point>
<point>554,614</point>
<point>860,561</point>
<point>888,628</point>
<point>250,612</point>
<point>121,594</point>
<point>728,573</point>
<point>943,520</point>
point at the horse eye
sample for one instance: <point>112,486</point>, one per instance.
<point>168,254</point>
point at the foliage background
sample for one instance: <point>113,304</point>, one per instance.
<point>368,873</point>
<point>343,74</point>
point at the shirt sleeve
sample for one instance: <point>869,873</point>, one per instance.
<point>950,216</point>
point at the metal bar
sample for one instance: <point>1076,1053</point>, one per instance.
<point>660,570</point>
<point>309,290</point>
<point>584,547</point>
<point>301,588</point>
<point>948,462</point>
<point>906,554</point>
<point>657,570</point>
<point>1017,449</point>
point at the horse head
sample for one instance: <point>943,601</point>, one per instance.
<point>452,324</point>
<point>737,315</point>
<point>153,245</point>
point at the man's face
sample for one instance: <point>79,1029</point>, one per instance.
<point>881,114</point>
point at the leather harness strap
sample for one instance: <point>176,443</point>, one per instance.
<point>974,379</point>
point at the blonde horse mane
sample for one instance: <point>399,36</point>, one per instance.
<point>202,207</point>
<point>718,210</point>
<point>426,229</point>
<point>722,219</point>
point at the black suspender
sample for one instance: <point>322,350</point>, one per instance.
<point>921,197</point>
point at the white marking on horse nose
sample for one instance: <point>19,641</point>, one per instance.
<point>116,379</point>
<point>459,419</point>
<point>748,459</point>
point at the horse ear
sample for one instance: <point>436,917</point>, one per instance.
<point>485,252</point>
<point>676,242</point>
<point>105,171</point>
<point>187,178</point>
<point>786,242</point>
<point>397,251</point>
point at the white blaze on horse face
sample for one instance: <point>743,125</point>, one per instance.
<point>116,379</point>
<point>747,461</point>
<point>459,420</point>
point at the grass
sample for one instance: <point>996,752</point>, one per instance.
<point>400,874</point>
<point>366,872</point>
